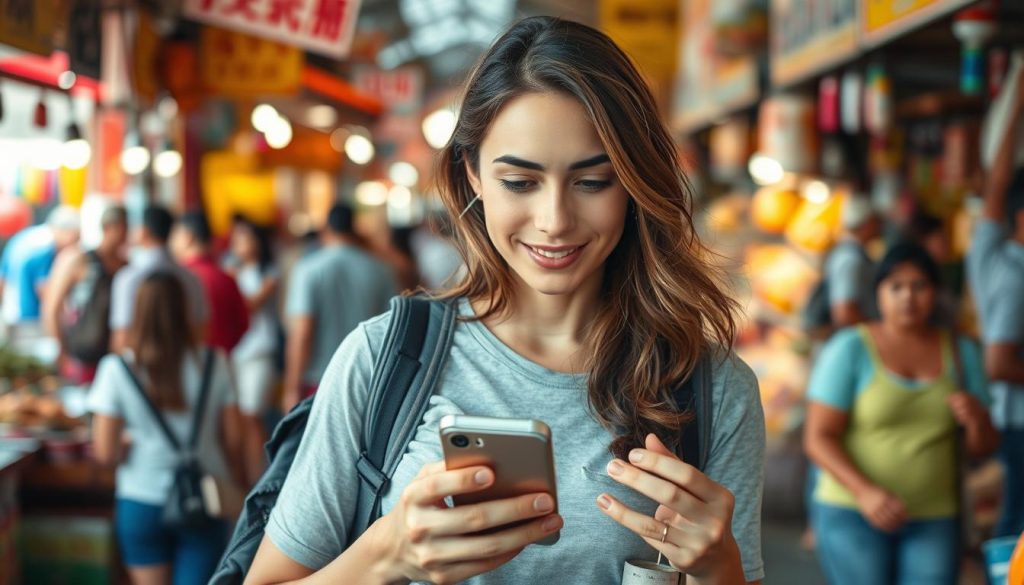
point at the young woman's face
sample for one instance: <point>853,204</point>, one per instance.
<point>553,205</point>
<point>906,297</point>
<point>243,243</point>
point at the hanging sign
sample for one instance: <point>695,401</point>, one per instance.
<point>644,30</point>
<point>28,24</point>
<point>883,20</point>
<point>235,64</point>
<point>83,40</point>
<point>320,26</point>
<point>810,36</point>
<point>401,89</point>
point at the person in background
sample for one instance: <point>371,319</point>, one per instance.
<point>437,259</point>
<point>81,282</point>
<point>995,269</point>
<point>849,267</point>
<point>25,268</point>
<point>930,233</point>
<point>229,316</point>
<point>151,254</point>
<point>254,359</point>
<point>168,363</point>
<point>330,291</point>
<point>886,408</point>
<point>398,253</point>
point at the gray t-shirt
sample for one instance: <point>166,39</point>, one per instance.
<point>339,286</point>
<point>148,471</point>
<point>485,377</point>
<point>850,274</point>
<point>995,267</point>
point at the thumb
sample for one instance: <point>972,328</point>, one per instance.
<point>653,443</point>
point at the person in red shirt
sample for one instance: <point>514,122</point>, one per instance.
<point>229,315</point>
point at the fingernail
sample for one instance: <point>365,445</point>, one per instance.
<point>482,477</point>
<point>615,468</point>
<point>551,524</point>
<point>636,455</point>
<point>544,503</point>
<point>604,501</point>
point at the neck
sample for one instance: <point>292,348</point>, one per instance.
<point>333,239</point>
<point>895,330</point>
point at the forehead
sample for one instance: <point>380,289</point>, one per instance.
<point>549,128</point>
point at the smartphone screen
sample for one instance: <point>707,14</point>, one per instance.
<point>519,451</point>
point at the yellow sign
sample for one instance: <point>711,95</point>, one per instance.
<point>235,64</point>
<point>233,183</point>
<point>882,20</point>
<point>28,24</point>
<point>647,32</point>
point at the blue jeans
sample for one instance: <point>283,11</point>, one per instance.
<point>1011,454</point>
<point>143,540</point>
<point>853,552</point>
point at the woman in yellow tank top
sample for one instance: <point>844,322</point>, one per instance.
<point>885,407</point>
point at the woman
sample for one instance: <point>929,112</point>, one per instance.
<point>256,357</point>
<point>167,364</point>
<point>588,299</point>
<point>886,412</point>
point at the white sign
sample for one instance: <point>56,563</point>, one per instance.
<point>321,26</point>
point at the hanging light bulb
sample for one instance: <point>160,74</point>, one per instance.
<point>39,119</point>
<point>168,162</point>
<point>75,152</point>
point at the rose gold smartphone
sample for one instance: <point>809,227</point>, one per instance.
<point>517,450</point>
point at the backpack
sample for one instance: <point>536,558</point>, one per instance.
<point>87,336</point>
<point>185,506</point>
<point>405,374</point>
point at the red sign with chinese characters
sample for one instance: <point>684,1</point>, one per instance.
<point>321,26</point>
<point>400,89</point>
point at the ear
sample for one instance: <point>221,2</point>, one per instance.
<point>474,180</point>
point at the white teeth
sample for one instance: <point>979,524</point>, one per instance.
<point>554,255</point>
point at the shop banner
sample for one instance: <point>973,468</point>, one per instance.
<point>235,64</point>
<point>883,20</point>
<point>401,90</point>
<point>644,30</point>
<point>320,26</point>
<point>28,24</point>
<point>810,36</point>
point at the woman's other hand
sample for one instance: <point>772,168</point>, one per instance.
<point>424,540</point>
<point>696,511</point>
<point>882,509</point>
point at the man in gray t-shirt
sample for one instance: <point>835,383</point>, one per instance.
<point>330,292</point>
<point>849,269</point>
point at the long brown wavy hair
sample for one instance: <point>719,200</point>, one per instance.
<point>663,303</point>
<point>160,337</point>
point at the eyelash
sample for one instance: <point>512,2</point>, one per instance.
<point>588,186</point>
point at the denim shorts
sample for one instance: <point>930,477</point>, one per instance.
<point>143,541</point>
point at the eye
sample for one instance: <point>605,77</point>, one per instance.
<point>592,185</point>
<point>516,186</point>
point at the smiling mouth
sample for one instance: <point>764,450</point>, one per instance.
<point>554,253</point>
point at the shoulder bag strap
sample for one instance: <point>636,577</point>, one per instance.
<point>153,410</point>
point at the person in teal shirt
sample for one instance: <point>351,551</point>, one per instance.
<point>887,401</point>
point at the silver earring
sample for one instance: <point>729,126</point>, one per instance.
<point>470,206</point>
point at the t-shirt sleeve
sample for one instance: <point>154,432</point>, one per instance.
<point>104,397</point>
<point>845,276</point>
<point>314,513</point>
<point>973,368</point>
<point>120,301</point>
<point>834,380</point>
<point>736,457</point>
<point>299,302</point>
<point>986,238</point>
<point>1006,317</point>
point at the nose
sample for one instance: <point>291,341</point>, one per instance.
<point>554,214</point>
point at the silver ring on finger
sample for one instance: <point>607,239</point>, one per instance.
<point>664,532</point>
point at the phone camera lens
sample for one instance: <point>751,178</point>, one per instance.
<point>460,441</point>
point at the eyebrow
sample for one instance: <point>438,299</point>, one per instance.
<point>526,164</point>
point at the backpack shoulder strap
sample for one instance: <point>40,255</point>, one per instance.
<point>204,393</point>
<point>405,374</point>
<point>695,395</point>
<point>153,410</point>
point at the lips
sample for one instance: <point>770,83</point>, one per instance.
<point>554,257</point>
